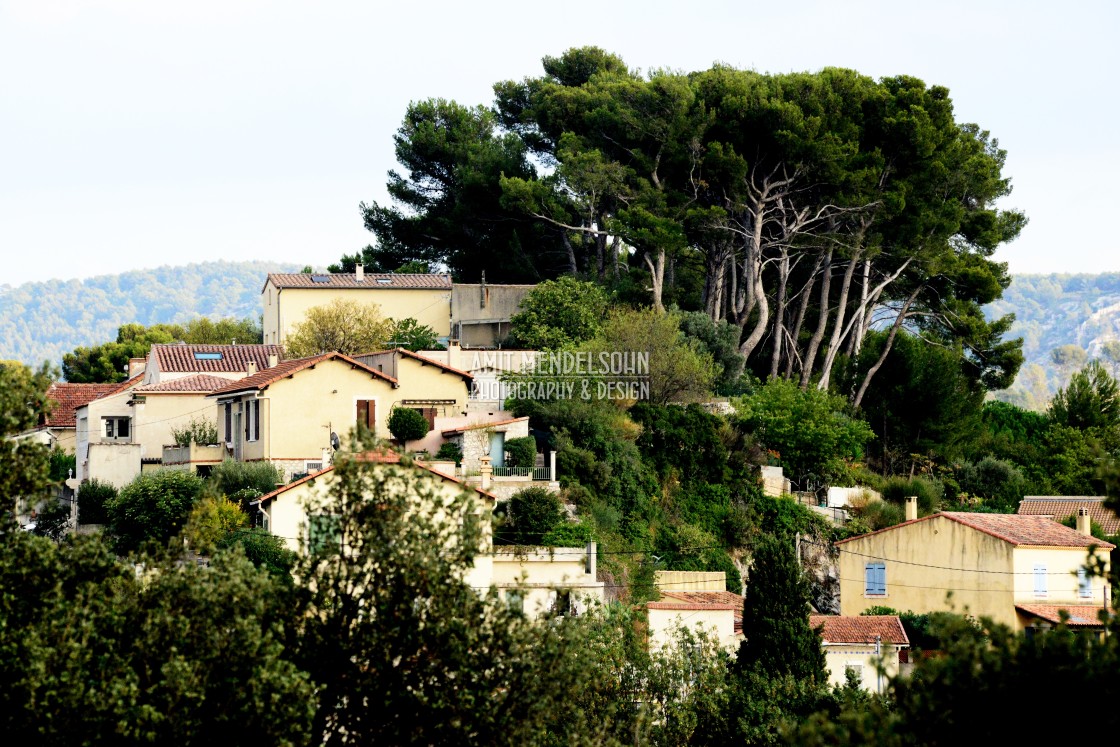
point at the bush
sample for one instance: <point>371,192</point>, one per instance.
<point>62,464</point>
<point>567,534</point>
<point>154,506</point>
<point>881,514</point>
<point>407,424</point>
<point>93,496</point>
<point>999,483</point>
<point>530,514</point>
<point>53,520</point>
<point>263,549</point>
<point>929,492</point>
<point>450,451</point>
<point>230,477</point>
<point>199,430</point>
<point>211,520</point>
<point>521,452</point>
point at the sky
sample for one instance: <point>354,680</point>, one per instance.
<point>135,134</point>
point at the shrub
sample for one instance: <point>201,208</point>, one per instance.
<point>999,483</point>
<point>263,549</point>
<point>53,520</point>
<point>450,451</point>
<point>230,477</point>
<point>567,534</point>
<point>929,492</point>
<point>407,424</point>
<point>199,430</point>
<point>530,514</point>
<point>521,452</point>
<point>62,464</point>
<point>154,506</point>
<point>93,495</point>
<point>881,514</point>
<point>210,521</point>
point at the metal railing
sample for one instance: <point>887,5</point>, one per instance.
<point>535,473</point>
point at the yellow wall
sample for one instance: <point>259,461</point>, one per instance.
<point>154,418</point>
<point>838,657</point>
<point>1061,575</point>
<point>286,307</point>
<point>90,430</point>
<point>540,573</point>
<point>924,562</point>
<point>718,623</point>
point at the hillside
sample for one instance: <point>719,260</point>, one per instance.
<point>41,321</point>
<point>1052,311</point>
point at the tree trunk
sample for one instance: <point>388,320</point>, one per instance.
<point>838,324</point>
<point>780,313</point>
<point>858,400</point>
<point>573,266</point>
<point>822,322</point>
<point>855,340</point>
<point>657,277</point>
<point>803,307</point>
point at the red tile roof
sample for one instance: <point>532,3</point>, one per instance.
<point>704,600</point>
<point>195,384</point>
<point>1080,615</point>
<point>860,628</point>
<point>1030,531</point>
<point>284,369</point>
<point>381,456</point>
<point>234,358</point>
<point>1059,508</point>
<point>69,397</point>
<point>474,426</point>
<point>372,280</point>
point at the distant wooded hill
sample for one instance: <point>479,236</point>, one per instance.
<point>41,321</point>
<point>1054,311</point>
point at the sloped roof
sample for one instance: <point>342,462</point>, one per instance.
<point>860,628</point>
<point>701,600</point>
<point>284,369</point>
<point>1029,531</point>
<point>425,360</point>
<point>1060,508</point>
<point>194,384</point>
<point>475,426</point>
<point>372,280</point>
<point>1080,615</point>
<point>234,358</point>
<point>69,397</point>
<point>381,456</point>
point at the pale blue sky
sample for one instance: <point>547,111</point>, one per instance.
<point>136,133</point>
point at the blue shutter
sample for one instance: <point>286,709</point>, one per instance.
<point>1040,580</point>
<point>1083,588</point>
<point>875,579</point>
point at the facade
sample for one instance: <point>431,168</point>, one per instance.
<point>481,313</point>
<point>984,565</point>
<point>104,446</point>
<point>699,601</point>
<point>62,423</point>
<point>287,297</point>
<point>487,367</point>
<point>870,645</point>
<point>537,580</point>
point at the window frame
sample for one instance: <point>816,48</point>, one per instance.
<point>110,427</point>
<point>875,577</point>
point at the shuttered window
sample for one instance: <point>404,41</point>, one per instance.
<point>367,414</point>
<point>875,579</point>
<point>1083,589</point>
<point>1040,580</point>
<point>229,423</point>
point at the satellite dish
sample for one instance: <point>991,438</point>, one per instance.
<point>335,443</point>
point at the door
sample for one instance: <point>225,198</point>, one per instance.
<point>497,449</point>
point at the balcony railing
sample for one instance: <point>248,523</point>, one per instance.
<point>536,473</point>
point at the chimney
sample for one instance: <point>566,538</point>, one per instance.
<point>484,471</point>
<point>359,273</point>
<point>1084,524</point>
<point>273,360</point>
<point>911,507</point>
<point>251,368</point>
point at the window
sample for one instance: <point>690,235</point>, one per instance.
<point>310,467</point>
<point>429,414</point>
<point>875,580</point>
<point>1040,580</point>
<point>367,414</point>
<point>854,668</point>
<point>515,600</point>
<point>1083,589</point>
<point>324,533</point>
<point>200,356</point>
<point>253,420</point>
<point>116,427</point>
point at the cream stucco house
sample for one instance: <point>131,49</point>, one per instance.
<point>537,580</point>
<point>1013,569</point>
<point>869,645</point>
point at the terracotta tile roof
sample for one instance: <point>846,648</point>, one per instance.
<point>1059,508</point>
<point>705,600</point>
<point>284,369</point>
<point>125,385</point>
<point>195,384</point>
<point>381,456</point>
<point>1030,531</point>
<point>1080,615</point>
<point>69,397</point>
<point>372,280</point>
<point>234,358</point>
<point>690,606</point>
<point>475,426</point>
<point>860,628</point>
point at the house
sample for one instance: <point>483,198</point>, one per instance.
<point>104,446</point>
<point>1000,566</point>
<point>60,426</point>
<point>293,413</point>
<point>287,297</point>
<point>481,313</point>
<point>483,443</point>
<point>697,600</point>
<point>1061,508</point>
<point>536,580</point>
<point>869,645</point>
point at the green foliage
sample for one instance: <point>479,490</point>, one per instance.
<point>521,452</point>
<point>721,341</point>
<point>412,335</point>
<point>61,465</point>
<point>210,521</point>
<point>231,477</point>
<point>407,424</point>
<point>262,549</point>
<point>684,547</point>
<point>93,497</point>
<point>343,325</point>
<point>686,442</point>
<point>531,513</point>
<point>153,507</point>
<point>200,430</point>
<point>784,517</point>
<point>928,492</point>
<point>568,534</point>
<point>1091,401</point>
<point>1000,484</point>
<point>451,451</point>
<point>26,464</point>
<point>93,653</point>
<point>811,430</point>
<point>779,641</point>
<point>879,515</point>
<point>53,520</point>
<point>558,314</point>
